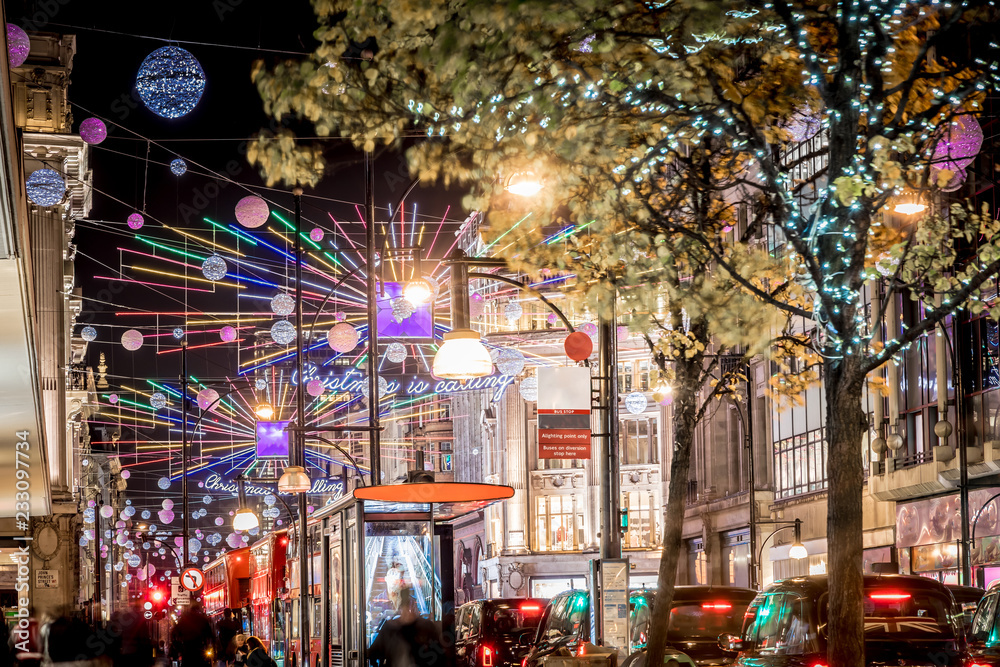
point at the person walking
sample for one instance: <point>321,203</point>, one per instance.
<point>257,655</point>
<point>409,640</point>
<point>194,637</point>
<point>132,646</point>
<point>227,628</point>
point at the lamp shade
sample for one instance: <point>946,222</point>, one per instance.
<point>264,411</point>
<point>798,551</point>
<point>294,480</point>
<point>524,184</point>
<point>462,356</point>
<point>245,519</point>
<point>909,203</point>
<point>418,292</point>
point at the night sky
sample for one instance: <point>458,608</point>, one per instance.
<point>110,49</point>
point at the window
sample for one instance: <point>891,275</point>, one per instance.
<point>800,464</point>
<point>559,525</point>
<point>638,440</point>
<point>642,375</point>
<point>982,623</point>
<point>697,562</point>
<point>780,626</point>
<point>641,523</point>
<point>625,376</point>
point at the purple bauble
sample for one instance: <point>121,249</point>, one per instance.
<point>135,221</point>
<point>18,45</point>
<point>227,334</point>
<point>316,234</point>
<point>93,131</point>
<point>252,211</point>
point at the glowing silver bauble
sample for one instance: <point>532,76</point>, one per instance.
<point>282,305</point>
<point>163,483</point>
<point>88,333</point>
<point>178,333</point>
<point>401,309</point>
<point>283,332</point>
<point>513,311</point>
<point>396,352</point>
<point>178,167</point>
<point>214,268</point>
<point>260,384</point>
<point>170,82</point>
<point>636,402</point>
<point>132,340</point>
<point>45,187</point>
<point>510,361</point>
<point>529,388</point>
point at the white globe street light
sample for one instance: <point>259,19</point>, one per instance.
<point>462,356</point>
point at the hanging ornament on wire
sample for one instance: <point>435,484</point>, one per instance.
<point>18,45</point>
<point>227,334</point>
<point>552,318</point>
<point>342,338</point>
<point>170,82</point>
<point>529,388</point>
<point>396,353</point>
<point>510,361</point>
<point>163,483</point>
<point>513,311</point>
<point>636,402</point>
<point>45,187</point>
<point>88,333</point>
<point>214,268</point>
<point>260,384</point>
<point>93,131</point>
<point>315,388</point>
<point>401,309</point>
<point>208,398</point>
<point>316,234</point>
<point>283,332</point>
<point>178,167</point>
<point>132,340</point>
<point>252,211</point>
<point>135,221</point>
<point>588,328</point>
<point>476,305</point>
<point>178,333</point>
<point>158,400</point>
<point>282,305</point>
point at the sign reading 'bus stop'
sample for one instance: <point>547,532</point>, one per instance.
<point>564,413</point>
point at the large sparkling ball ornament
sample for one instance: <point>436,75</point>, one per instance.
<point>178,333</point>
<point>165,516</point>
<point>167,504</point>
<point>206,499</point>
<point>93,131</point>
<point>958,144</point>
<point>578,346</point>
<point>214,268</point>
<point>45,187</point>
<point>513,311</point>
<point>234,541</point>
<point>283,332</point>
<point>112,399</point>
<point>342,337</point>
<point>315,388</point>
<point>270,500</point>
<point>316,234</point>
<point>252,212</point>
<point>132,340</point>
<point>529,388</point>
<point>635,402</point>
<point>396,352</point>
<point>107,511</point>
<point>18,45</point>
<point>588,328</point>
<point>170,82</point>
<point>401,309</point>
<point>194,544</point>
<point>128,510</point>
<point>88,333</point>
<point>227,334</point>
<point>552,318</point>
<point>133,560</point>
<point>282,305</point>
<point>476,305</point>
<point>178,167</point>
<point>135,221</point>
<point>146,514</point>
<point>260,384</point>
<point>163,483</point>
<point>218,522</point>
<point>510,361</point>
<point>208,397</point>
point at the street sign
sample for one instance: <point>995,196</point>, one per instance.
<point>147,615</point>
<point>192,579</point>
<point>180,595</point>
<point>564,412</point>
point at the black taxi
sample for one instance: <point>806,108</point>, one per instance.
<point>909,621</point>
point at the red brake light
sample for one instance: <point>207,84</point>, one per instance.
<point>531,607</point>
<point>582,651</point>
<point>819,664</point>
<point>157,594</point>
<point>889,596</point>
<point>717,606</point>
<point>487,656</point>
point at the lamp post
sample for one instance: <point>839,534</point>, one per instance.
<point>798,550</point>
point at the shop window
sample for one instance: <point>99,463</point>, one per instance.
<point>800,464</point>
<point>625,376</point>
<point>697,563</point>
<point>639,441</point>
<point>446,462</point>
<point>736,558</point>
<point>641,509</point>
<point>558,523</point>
<point>642,375</point>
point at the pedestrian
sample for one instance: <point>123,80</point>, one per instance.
<point>133,646</point>
<point>239,650</point>
<point>257,655</point>
<point>194,637</point>
<point>409,640</point>
<point>227,628</point>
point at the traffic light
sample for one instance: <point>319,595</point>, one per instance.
<point>623,514</point>
<point>156,601</point>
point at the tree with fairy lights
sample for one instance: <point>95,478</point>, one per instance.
<point>820,120</point>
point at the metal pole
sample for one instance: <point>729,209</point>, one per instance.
<point>99,566</point>
<point>963,458</point>
<point>611,541</point>
<point>748,440</point>
<point>460,317</point>
<point>299,439</point>
<point>184,450</point>
<point>375,450</point>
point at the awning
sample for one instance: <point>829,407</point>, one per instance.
<point>444,500</point>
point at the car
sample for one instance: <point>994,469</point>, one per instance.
<point>698,615</point>
<point>496,633</point>
<point>908,621</point>
<point>984,632</point>
<point>968,598</point>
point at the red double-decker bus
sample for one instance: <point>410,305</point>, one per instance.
<point>268,592</point>
<point>227,585</point>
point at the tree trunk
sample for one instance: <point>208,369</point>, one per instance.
<point>845,424</point>
<point>687,378</point>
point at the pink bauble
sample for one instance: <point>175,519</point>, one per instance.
<point>252,212</point>
<point>132,340</point>
<point>342,337</point>
<point>93,131</point>
<point>316,234</point>
<point>208,399</point>
<point>227,334</point>
<point>552,318</point>
<point>135,221</point>
<point>315,388</point>
<point>622,333</point>
<point>476,305</point>
<point>112,399</point>
<point>107,511</point>
<point>18,45</point>
<point>126,474</point>
<point>167,504</point>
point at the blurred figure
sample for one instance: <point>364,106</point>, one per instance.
<point>408,640</point>
<point>227,629</point>
<point>132,645</point>
<point>257,655</point>
<point>239,650</point>
<point>194,638</point>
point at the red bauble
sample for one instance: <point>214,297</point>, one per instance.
<point>578,346</point>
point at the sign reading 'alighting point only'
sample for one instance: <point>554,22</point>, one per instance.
<point>564,413</point>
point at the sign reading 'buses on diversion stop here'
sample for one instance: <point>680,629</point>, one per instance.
<point>564,413</point>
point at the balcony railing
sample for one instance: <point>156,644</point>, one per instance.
<point>914,459</point>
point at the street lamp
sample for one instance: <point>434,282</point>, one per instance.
<point>462,356</point>
<point>524,184</point>
<point>909,204</point>
<point>418,291</point>
<point>264,411</point>
<point>294,479</point>
<point>245,519</point>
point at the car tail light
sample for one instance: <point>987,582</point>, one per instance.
<point>819,664</point>
<point>531,608</point>
<point>890,597</point>
<point>487,656</point>
<point>581,650</point>
<point>717,606</point>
